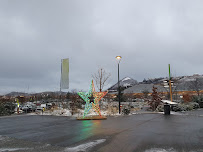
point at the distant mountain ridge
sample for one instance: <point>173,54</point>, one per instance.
<point>15,94</point>
<point>133,86</point>
<point>178,78</point>
<point>183,83</point>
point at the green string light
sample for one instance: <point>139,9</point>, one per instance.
<point>94,96</point>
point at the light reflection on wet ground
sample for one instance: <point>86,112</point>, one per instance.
<point>87,129</point>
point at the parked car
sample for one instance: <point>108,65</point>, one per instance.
<point>28,108</point>
<point>39,108</point>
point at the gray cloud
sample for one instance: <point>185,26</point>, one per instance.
<point>35,35</point>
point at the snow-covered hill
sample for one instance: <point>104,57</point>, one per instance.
<point>124,83</point>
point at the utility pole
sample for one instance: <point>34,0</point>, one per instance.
<point>170,82</point>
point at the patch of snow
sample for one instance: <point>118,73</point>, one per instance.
<point>104,113</point>
<point>127,78</point>
<point>84,147</point>
<point>46,145</point>
<point>4,138</point>
<point>169,102</point>
<point>160,150</point>
<point>12,149</point>
<point>177,113</point>
<point>1,137</point>
<point>172,113</point>
<point>66,112</point>
<point>126,84</point>
<point>60,112</point>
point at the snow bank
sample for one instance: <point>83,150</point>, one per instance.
<point>58,112</point>
<point>63,112</point>
<point>12,149</point>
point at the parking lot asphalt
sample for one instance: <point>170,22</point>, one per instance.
<point>133,133</point>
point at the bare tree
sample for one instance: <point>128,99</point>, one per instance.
<point>75,102</point>
<point>145,93</point>
<point>101,78</point>
<point>196,85</point>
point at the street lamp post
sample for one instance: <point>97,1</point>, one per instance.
<point>118,58</point>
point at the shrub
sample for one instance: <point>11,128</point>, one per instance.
<point>189,107</point>
<point>195,99</point>
<point>185,107</point>
<point>160,108</point>
<point>201,104</point>
<point>6,108</point>
<point>195,105</point>
<point>179,107</point>
<point>199,100</point>
<point>126,111</point>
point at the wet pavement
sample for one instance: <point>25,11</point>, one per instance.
<point>134,133</point>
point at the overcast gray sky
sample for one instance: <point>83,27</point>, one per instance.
<point>36,34</point>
